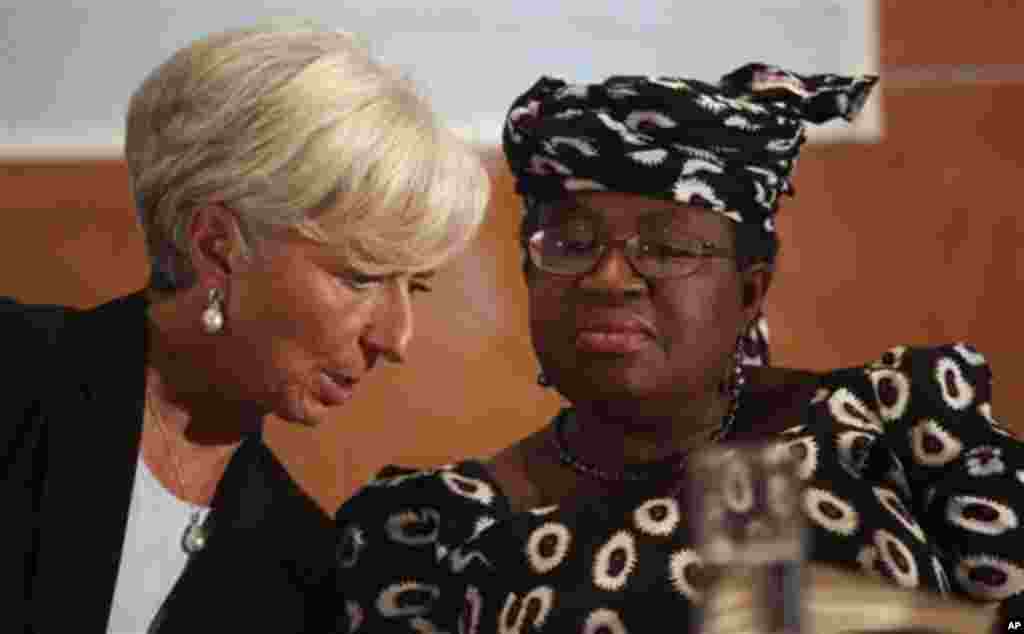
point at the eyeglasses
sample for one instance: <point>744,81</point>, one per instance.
<point>560,252</point>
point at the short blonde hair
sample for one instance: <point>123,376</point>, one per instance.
<point>299,127</point>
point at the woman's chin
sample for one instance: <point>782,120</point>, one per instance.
<point>608,386</point>
<point>308,407</point>
<point>306,412</point>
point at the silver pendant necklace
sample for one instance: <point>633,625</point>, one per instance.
<point>194,537</point>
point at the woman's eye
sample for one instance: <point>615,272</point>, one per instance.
<point>359,281</point>
<point>416,286</point>
<point>570,246</point>
<point>665,250</point>
<point>363,282</point>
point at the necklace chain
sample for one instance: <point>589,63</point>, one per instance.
<point>193,539</point>
<point>645,472</point>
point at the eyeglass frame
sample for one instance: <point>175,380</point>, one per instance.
<point>712,250</point>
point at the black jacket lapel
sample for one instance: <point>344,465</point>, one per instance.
<point>269,561</point>
<point>95,421</point>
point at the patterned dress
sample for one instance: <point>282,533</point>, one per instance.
<point>907,477</point>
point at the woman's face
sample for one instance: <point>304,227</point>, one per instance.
<point>302,328</point>
<point>610,335</point>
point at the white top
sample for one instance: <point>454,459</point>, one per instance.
<point>152,558</point>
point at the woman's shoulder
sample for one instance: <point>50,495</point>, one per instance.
<point>394,533</point>
<point>918,398</point>
<point>923,361</point>
<point>907,358</point>
<point>30,324</point>
<point>945,381</point>
<point>953,375</point>
<point>29,334</point>
<point>927,407</point>
<point>469,479</point>
<point>463,491</point>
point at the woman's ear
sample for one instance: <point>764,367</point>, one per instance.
<point>216,244</point>
<point>755,280</point>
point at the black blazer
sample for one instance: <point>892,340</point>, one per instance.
<point>70,424</point>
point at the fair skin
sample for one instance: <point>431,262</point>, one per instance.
<point>301,329</point>
<point>640,360</point>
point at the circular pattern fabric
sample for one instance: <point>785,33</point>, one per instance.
<point>548,546</point>
<point>658,517</point>
<point>614,562</point>
<point>910,483</point>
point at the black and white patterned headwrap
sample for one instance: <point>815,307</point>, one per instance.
<point>729,146</point>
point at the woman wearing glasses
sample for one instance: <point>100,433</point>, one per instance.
<point>649,245</point>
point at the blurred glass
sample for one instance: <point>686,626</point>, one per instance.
<point>749,531</point>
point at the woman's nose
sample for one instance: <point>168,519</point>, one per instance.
<point>391,326</point>
<point>613,273</point>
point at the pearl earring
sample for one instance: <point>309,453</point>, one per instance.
<point>213,316</point>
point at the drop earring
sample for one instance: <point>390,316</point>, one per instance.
<point>213,316</point>
<point>728,383</point>
<point>543,380</point>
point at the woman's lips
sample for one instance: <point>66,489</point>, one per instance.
<point>613,334</point>
<point>612,341</point>
<point>335,389</point>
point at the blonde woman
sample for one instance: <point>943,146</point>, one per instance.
<point>294,194</point>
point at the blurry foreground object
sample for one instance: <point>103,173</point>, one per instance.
<point>751,534</point>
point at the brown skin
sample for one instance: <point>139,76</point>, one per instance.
<point>291,312</point>
<point>644,405</point>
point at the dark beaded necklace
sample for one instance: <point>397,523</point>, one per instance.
<point>669,466</point>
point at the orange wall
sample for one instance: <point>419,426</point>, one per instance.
<point>913,240</point>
